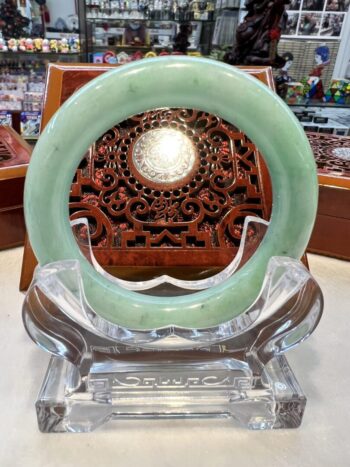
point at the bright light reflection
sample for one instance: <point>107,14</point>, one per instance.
<point>164,156</point>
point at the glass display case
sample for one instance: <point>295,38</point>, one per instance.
<point>115,32</point>
<point>22,82</point>
<point>31,36</point>
<point>149,26</point>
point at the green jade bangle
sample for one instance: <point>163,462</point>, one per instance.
<point>181,82</point>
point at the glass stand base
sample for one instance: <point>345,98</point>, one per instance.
<point>119,388</point>
<point>101,371</point>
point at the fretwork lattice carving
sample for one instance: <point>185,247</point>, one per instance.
<point>204,212</point>
<point>325,149</point>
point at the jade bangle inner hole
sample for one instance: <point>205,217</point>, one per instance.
<point>165,181</point>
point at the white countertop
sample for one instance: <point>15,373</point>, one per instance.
<point>321,365</point>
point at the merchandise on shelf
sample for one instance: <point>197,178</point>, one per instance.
<point>3,45</point>
<point>5,118</point>
<point>63,46</point>
<point>32,101</point>
<point>294,93</point>
<point>339,91</point>
<point>315,88</point>
<point>132,33</point>
<point>176,10</point>
<point>21,45</point>
<point>38,45</point>
<point>323,119</point>
<point>29,45</point>
<point>12,45</point>
<point>109,57</point>
<point>46,46</point>
<point>122,57</point>
<point>21,91</point>
<point>11,99</point>
<point>30,124</point>
<point>314,82</point>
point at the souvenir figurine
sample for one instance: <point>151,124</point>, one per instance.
<point>283,77</point>
<point>71,44</point>
<point>38,44</point>
<point>63,46</point>
<point>138,55</point>
<point>13,45</point>
<point>123,57</point>
<point>294,92</point>
<point>314,81</point>
<point>3,46</point>
<point>150,54</point>
<point>29,45</point>
<point>53,46</point>
<point>194,53</point>
<point>46,46</point>
<point>109,57</point>
<point>97,57</point>
<point>22,44</point>
<point>76,46</point>
<point>338,91</point>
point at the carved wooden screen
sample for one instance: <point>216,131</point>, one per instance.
<point>14,154</point>
<point>141,217</point>
<point>332,227</point>
<point>332,156</point>
<point>14,158</point>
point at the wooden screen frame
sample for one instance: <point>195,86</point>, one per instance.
<point>12,176</point>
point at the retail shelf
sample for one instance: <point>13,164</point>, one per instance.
<point>151,20</point>
<point>313,103</point>
<point>41,54</point>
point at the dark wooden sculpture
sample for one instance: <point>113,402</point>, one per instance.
<point>188,227</point>
<point>14,159</point>
<point>258,35</point>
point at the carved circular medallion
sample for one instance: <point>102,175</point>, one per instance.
<point>342,153</point>
<point>164,156</point>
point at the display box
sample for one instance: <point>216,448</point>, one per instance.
<point>294,93</point>
<point>5,118</point>
<point>338,91</point>
<point>14,159</point>
<point>332,227</point>
<point>30,124</point>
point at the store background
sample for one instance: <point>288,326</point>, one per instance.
<point>100,26</point>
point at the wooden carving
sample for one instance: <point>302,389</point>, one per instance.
<point>14,159</point>
<point>332,228</point>
<point>201,212</point>
<point>332,155</point>
<point>258,35</point>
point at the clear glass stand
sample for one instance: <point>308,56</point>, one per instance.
<point>100,371</point>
